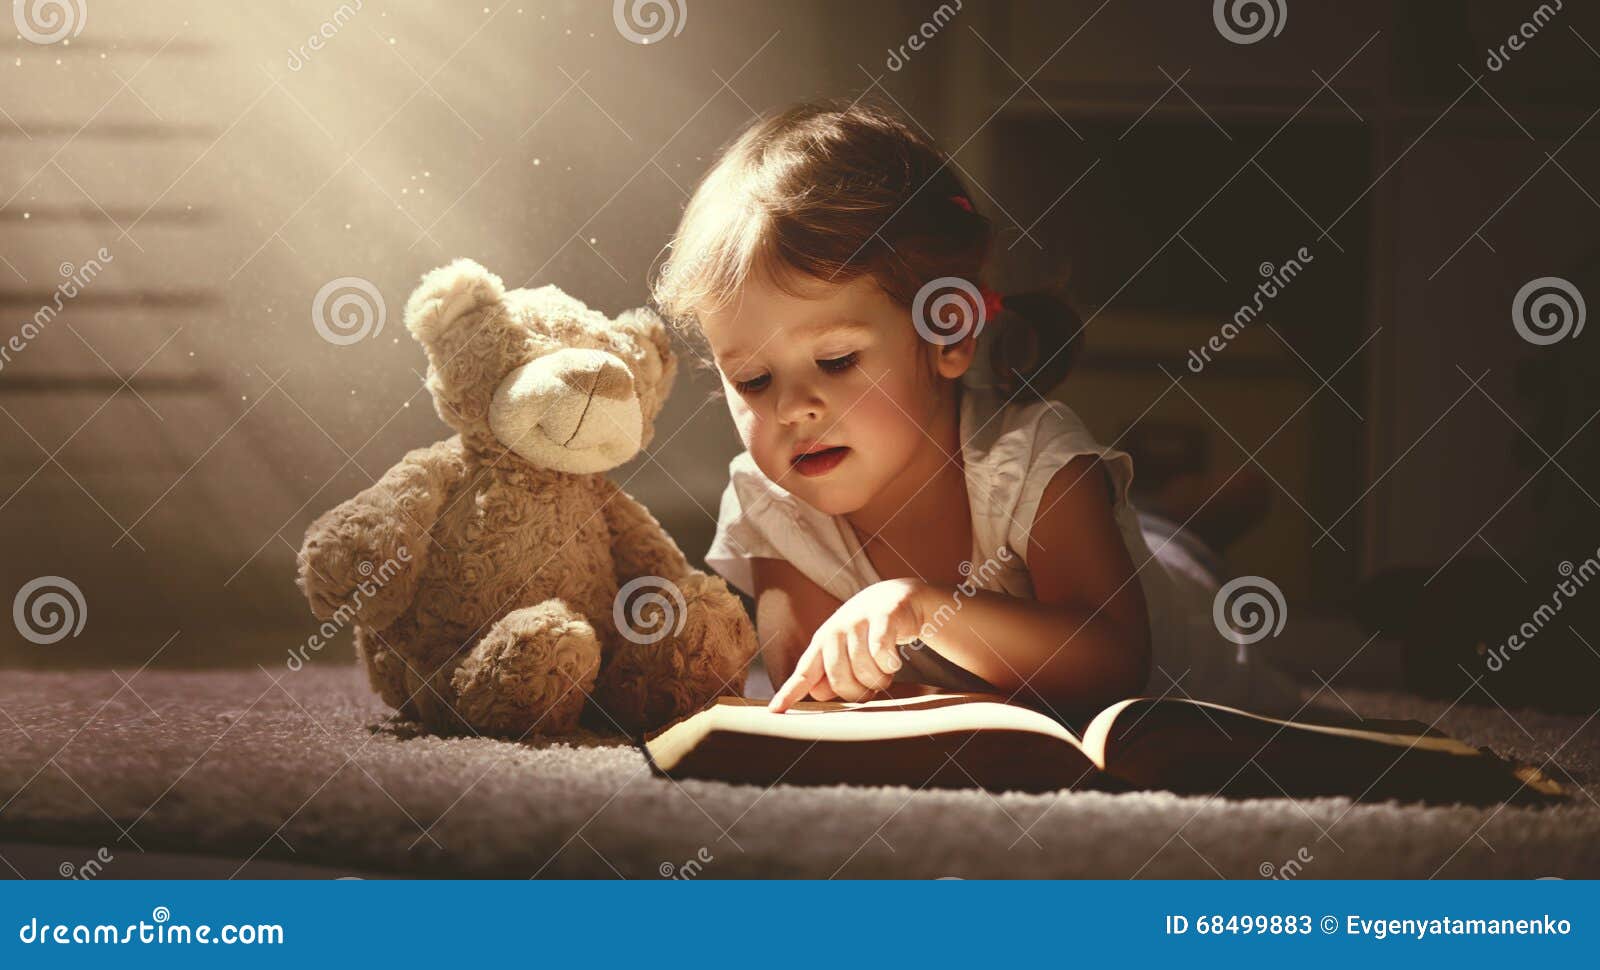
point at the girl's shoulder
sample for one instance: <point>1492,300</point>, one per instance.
<point>1015,447</point>
<point>997,430</point>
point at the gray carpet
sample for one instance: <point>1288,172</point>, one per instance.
<point>307,776</point>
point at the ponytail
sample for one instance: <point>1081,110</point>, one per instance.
<point>1035,342</point>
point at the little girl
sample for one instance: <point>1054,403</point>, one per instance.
<point>895,518</point>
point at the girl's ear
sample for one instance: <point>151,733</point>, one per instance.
<point>952,360</point>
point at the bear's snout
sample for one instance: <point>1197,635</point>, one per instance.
<point>598,383</point>
<point>576,409</point>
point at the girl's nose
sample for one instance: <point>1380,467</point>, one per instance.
<point>799,403</point>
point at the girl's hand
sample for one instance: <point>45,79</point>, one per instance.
<point>855,651</point>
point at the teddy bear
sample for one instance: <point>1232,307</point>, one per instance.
<point>499,583</point>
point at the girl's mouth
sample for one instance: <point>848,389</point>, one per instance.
<point>821,462</point>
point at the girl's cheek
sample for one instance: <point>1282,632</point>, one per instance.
<point>746,420</point>
<point>738,407</point>
<point>875,419</point>
<point>891,395</point>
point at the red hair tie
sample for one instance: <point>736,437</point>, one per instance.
<point>993,302</point>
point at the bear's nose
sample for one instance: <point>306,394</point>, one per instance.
<point>597,382</point>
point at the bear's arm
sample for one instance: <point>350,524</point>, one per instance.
<point>366,554</point>
<point>639,545</point>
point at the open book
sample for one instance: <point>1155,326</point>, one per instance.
<point>981,741</point>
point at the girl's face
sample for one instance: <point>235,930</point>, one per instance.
<point>840,374</point>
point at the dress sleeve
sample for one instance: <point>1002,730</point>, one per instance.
<point>1058,436</point>
<point>743,523</point>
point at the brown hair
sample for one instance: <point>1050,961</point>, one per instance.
<point>832,190</point>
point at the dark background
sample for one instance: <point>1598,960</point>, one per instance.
<point>167,438</point>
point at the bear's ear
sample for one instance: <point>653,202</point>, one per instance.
<point>460,317</point>
<point>650,334</point>
<point>447,296</point>
<point>654,362</point>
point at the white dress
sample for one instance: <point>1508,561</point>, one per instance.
<point>1011,451</point>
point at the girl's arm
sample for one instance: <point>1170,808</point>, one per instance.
<point>1084,641</point>
<point>789,608</point>
<point>1081,643</point>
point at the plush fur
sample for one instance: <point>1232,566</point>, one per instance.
<point>483,574</point>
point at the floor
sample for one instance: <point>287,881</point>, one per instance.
<point>223,773</point>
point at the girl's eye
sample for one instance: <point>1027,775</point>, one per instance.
<point>835,365</point>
